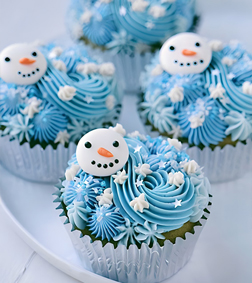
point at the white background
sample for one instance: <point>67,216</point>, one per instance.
<point>29,20</point>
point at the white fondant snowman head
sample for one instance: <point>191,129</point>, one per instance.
<point>22,64</point>
<point>102,152</point>
<point>185,53</point>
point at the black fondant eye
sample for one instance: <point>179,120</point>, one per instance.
<point>7,59</point>
<point>88,144</point>
<point>34,54</point>
<point>115,143</point>
<point>197,44</point>
<point>172,48</point>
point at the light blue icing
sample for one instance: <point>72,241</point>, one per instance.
<point>104,221</point>
<point>83,189</point>
<point>202,188</point>
<point>77,116</point>
<point>13,97</point>
<point>162,117</point>
<point>149,233</point>
<point>127,234</point>
<point>120,221</point>
<point>142,27</point>
<point>78,214</point>
<point>18,127</point>
<point>239,125</point>
<point>214,128</point>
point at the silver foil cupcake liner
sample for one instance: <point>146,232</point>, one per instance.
<point>35,164</point>
<point>133,265</point>
<point>221,164</point>
<point>128,67</point>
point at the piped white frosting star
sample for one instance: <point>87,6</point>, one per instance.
<point>120,177</point>
<point>107,69</point>
<point>122,11</point>
<point>59,65</point>
<point>158,70</point>
<point>139,183</point>
<point>32,108</point>
<point>215,72</point>
<point>176,178</point>
<point>176,94</point>
<point>228,61</point>
<point>157,11</point>
<point>161,164</point>
<point>66,92</point>
<point>119,129</point>
<point>247,88</point>
<point>216,45</point>
<point>139,5</point>
<point>110,102</point>
<point>176,143</point>
<point>191,167</point>
<point>217,92</point>
<point>86,17</point>
<point>150,25</point>
<point>139,203</point>
<point>106,197</point>
<point>136,134</point>
<point>137,148</point>
<point>177,203</point>
<point>62,137</point>
<point>196,121</point>
<point>230,76</point>
<point>55,52</point>
<point>71,172</point>
<point>87,68</point>
<point>88,99</point>
<point>143,169</point>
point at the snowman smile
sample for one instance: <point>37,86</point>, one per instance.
<point>192,63</point>
<point>105,165</point>
<point>28,74</point>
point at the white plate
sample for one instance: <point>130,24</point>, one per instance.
<point>222,254</point>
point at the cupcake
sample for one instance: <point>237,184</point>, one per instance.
<point>201,93</point>
<point>49,98</point>
<point>127,32</point>
<point>133,205</point>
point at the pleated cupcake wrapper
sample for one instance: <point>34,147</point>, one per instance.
<point>132,265</point>
<point>221,164</point>
<point>128,68</point>
<point>35,164</point>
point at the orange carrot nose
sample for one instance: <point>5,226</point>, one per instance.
<point>104,152</point>
<point>26,61</point>
<point>187,52</point>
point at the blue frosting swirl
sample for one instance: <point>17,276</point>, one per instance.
<point>239,125</point>
<point>170,205</point>
<point>84,189</point>
<point>48,122</point>
<point>110,18</point>
<point>87,110</point>
<point>101,26</point>
<point>211,131</point>
<point>197,88</point>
